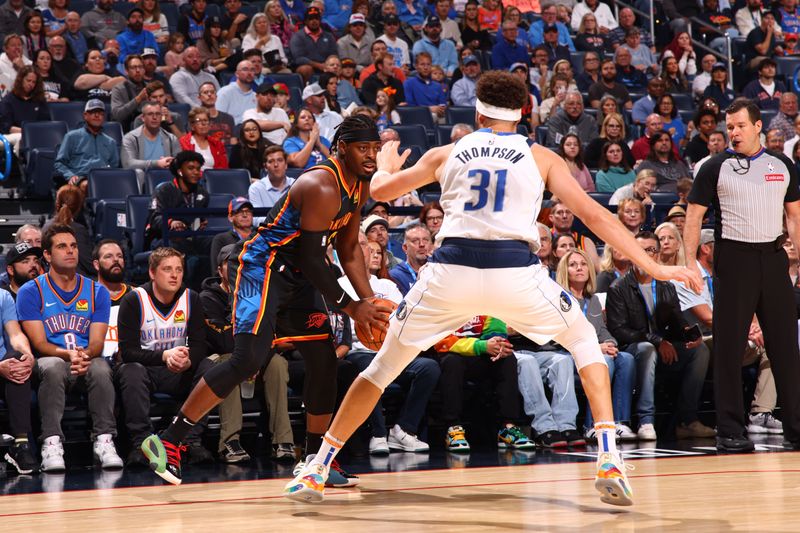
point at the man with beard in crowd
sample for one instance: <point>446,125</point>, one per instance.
<point>109,262</point>
<point>22,265</point>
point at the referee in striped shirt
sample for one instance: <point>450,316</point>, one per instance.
<point>750,189</point>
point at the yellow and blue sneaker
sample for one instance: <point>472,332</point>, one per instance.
<point>308,485</point>
<point>513,437</point>
<point>611,481</point>
<point>456,440</point>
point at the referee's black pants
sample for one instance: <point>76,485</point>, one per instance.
<point>754,279</point>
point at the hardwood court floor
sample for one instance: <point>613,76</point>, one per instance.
<point>759,492</point>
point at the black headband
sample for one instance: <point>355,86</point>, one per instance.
<point>362,135</point>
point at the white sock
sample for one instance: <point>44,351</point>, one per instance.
<point>328,450</point>
<point>606,436</point>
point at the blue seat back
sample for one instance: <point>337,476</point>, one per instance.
<point>69,112</point>
<point>112,183</point>
<point>217,201</point>
<point>44,134</point>
<point>460,115</point>
<point>114,130</point>
<point>155,177</point>
<point>412,134</point>
<point>235,181</point>
<point>137,211</point>
<point>416,115</point>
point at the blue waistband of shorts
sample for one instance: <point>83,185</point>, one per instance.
<point>485,254</point>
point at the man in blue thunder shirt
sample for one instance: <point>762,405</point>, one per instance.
<point>65,316</point>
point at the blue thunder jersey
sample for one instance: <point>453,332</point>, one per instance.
<point>282,225</point>
<point>66,322</point>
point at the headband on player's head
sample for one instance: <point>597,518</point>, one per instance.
<point>361,135</point>
<point>498,113</point>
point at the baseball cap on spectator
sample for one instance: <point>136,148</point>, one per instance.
<point>225,253</point>
<point>348,63</point>
<point>433,20</point>
<point>357,18</point>
<point>281,88</point>
<point>214,21</point>
<point>313,12</point>
<point>550,27</point>
<point>268,88</point>
<point>706,236</point>
<point>470,59</point>
<point>146,52</point>
<point>391,19</point>
<point>372,204</point>
<point>312,90</point>
<point>135,10</point>
<point>93,105</point>
<point>237,204</point>
<point>676,211</point>
<point>719,66</point>
<point>20,251</point>
<point>516,66</point>
<point>371,221</point>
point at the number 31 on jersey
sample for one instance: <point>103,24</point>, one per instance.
<point>490,184</point>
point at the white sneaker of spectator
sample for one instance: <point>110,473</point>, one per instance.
<point>378,446</point>
<point>764,423</point>
<point>646,432</point>
<point>53,455</point>
<point>106,453</point>
<point>625,433</point>
<point>400,440</point>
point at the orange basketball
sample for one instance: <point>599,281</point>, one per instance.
<point>363,331</point>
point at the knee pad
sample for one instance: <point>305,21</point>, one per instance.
<point>581,341</point>
<point>389,363</point>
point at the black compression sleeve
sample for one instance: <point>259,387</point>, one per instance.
<point>312,246</point>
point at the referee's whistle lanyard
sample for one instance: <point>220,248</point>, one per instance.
<point>655,300</point>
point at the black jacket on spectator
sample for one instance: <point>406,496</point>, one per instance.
<point>169,196</point>
<point>483,37</point>
<point>626,314</point>
<point>373,84</point>
<point>130,319</point>
<point>217,310</point>
<point>14,111</point>
<point>237,161</point>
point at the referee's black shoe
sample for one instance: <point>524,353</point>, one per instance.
<point>734,444</point>
<point>792,445</point>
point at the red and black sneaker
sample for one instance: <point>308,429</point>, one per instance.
<point>164,458</point>
<point>337,477</point>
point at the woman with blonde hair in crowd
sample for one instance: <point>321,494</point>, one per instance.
<point>279,24</point>
<point>612,129</point>
<point>671,243</point>
<point>613,264</point>
<point>632,214</point>
<point>260,37</point>
<point>576,274</point>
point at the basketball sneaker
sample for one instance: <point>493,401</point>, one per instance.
<point>308,485</point>
<point>513,437</point>
<point>338,477</point>
<point>611,481</point>
<point>164,458</point>
<point>52,455</point>
<point>764,423</point>
<point>20,456</point>
<point>404,441</point>
<point>378,446</point>
<point>456,440</point>
<point>625,433</point>
<point>105,453</point>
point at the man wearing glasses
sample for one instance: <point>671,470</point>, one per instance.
<point>127,97</point>
<point>536,33</point>
<point>221,123</point>
<point>149,146</point>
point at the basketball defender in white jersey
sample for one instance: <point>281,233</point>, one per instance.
<point>492,184</point>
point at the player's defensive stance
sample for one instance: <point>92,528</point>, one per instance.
<point>492,183</point>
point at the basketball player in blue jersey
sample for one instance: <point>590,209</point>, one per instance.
<point>65,316</point>
<point>492,185</point>
<point>277,276</point>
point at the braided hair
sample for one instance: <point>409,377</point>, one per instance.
<point>350,126</point>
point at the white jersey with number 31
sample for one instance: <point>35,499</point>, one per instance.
<point>491,189</point>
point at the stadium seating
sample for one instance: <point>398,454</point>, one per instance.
<point>107,196</point>
<point>155,177</point>
<point>69,112</point>
<point>232,181</point>
<point>416,115</point>
<point>38,149</point>
<point>412,135</point>
<point>456,115</point>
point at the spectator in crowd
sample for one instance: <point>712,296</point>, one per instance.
<point>762,42</point>
<point>489,15</point>
<point>395,44</point>
<point>609,84</point>
<point>274,182</point>
<point>33,36</point>
<point>748,17</point>
<point>716,144</point>
<point>382,79</point>
<point>571,150</point>
<point>421,90</point>
<point>545,252</point>
<point>221,124</point>
<point>555,50</point>
<point>590,38</point>
<point>127,97</point>
<point>508,51</point>
<point>69,211</point>
<point>417,246</point>
<point>472,34</point>
<point>697,148</point>
<point>108,260</point>
<point>787,16</point>
<point>86,148</point>
<point>356,44</point>
<point>615,171</point>
<point>442,52</point>
<point>78,43</point>
<point>703,79</point>
<point>641,146</point>
<point>183,191</point>
<point>162,344</point>
<point>13,14</point>
<point>170,120</point>
<point>646,104</point>
<point>305,145</point>
<point>412,13</point>
<point>386,110</point>
<point>149,146</point>
<point>787,114</point>
<point>671,120</point>
<point>187,81</point>
<point>249,149</point>
<point>378,49</point>
<point>346,93</point>
<point>671,250</point>
<point>260,37</point>
<point>612,129</point>
<point>463,92</point>
<point>214,49</point>
<point>240,215</point>
<point>64,66</point>
<point>647,322</point>
<point>65,317</point>
<point>23,263</point>
<point>563,243</point>
<point>273,121</point>
<point>450,30</point>
<point>662,159</point>
<point>12,60</point>
<point>312,45</point>
<point>279,22</point>
<point>54,17</point>
<point>591,72</point>
<point>788,146</point>
<point>198,140</point>
<point>631,212</point>
<point>192,24</point>
<point>29,233</point>
<point>775,140</point>
<point>627,74</point>
<point>329,83</point>
<point>314,99</point>
<point>92,82</point>
<point>605,19</point>
<point>431,216</point>
<point>154,20</point>
<point>577,274</point>
<point>627,20</point>
<point>102,22</point>
<point>643,185</point>
<point>25,103</point>
<point>294,9</point>
<point>536,32</point>
<point>376,228</point>
<point>135,39</point>
<point>337,13</point>
<point>681,48</point>
<point>562,220</point>
<point>765,91</point>
<point>238,97</point>
<point>571,119</point>
<point>613,265</point>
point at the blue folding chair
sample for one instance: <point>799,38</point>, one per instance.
<point>235,181</point>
